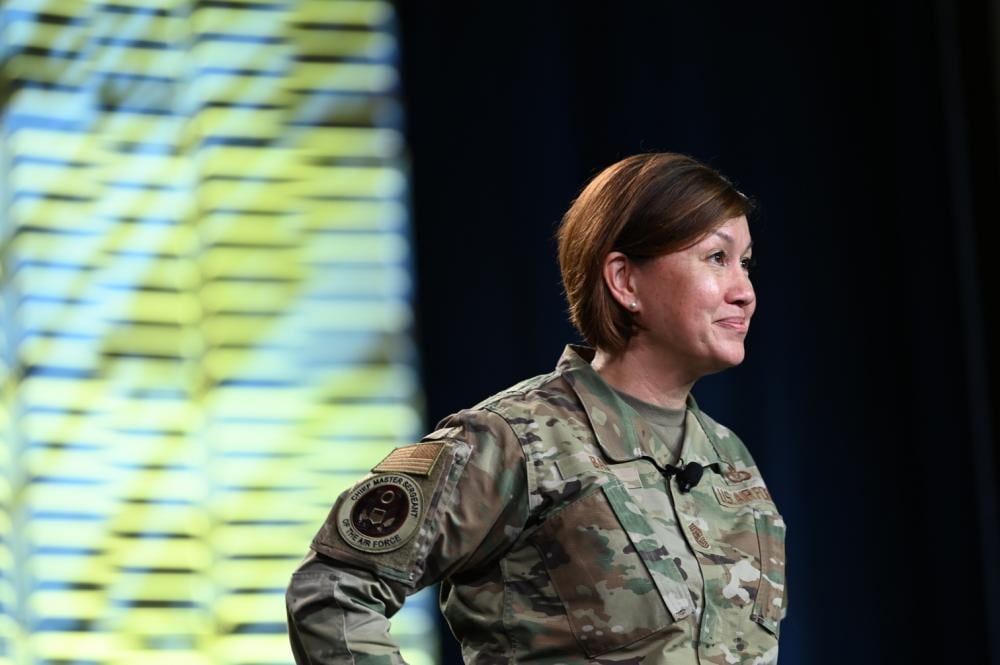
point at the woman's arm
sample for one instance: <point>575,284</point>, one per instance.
<point>466,502</point>
<point>340,614</point>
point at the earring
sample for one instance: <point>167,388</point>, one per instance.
<point>633,306</point>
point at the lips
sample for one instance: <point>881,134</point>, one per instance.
<point>737,323</point>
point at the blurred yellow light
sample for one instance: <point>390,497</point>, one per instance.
<point>208,321</point>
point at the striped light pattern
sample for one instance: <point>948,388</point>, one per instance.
<point>206,316</point>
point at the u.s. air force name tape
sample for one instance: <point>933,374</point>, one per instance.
<point>381,513</point>
<point>742,495</point>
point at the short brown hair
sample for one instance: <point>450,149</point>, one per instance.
<point>643,206</point>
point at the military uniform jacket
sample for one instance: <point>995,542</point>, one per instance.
<point>557,537</point>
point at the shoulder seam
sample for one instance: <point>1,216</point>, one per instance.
<point>521,388</point>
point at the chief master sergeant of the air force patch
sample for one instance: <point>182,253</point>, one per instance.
<point>387,521</point>
<point>381,512</point>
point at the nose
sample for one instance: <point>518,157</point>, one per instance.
<point>741,289</point>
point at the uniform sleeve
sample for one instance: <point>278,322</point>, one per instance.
<point>339,614</point>
<point>452,504</point>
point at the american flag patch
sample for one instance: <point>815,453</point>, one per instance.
<point>418,459</point>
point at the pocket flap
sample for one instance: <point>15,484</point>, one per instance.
<point>661,567</point>
<point>603,582</point>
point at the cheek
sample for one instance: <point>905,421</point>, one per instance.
<point>693,305</point>
<point>707,294</point>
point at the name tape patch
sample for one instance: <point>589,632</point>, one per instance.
<point>699,536</point>
<point>417,459</point>
<point>381,513</point>
<point>741,496</point>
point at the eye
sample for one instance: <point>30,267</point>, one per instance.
<point>718,257</point>
<point>748,263</point>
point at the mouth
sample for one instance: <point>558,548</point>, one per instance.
<point>734,323</point>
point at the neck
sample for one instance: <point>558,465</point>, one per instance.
<point>644,375</point>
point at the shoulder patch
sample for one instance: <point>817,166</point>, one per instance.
<point>388,521</point>
<point>381,513</point>
<point>417,459</point>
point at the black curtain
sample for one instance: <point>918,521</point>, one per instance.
<point>867,133</point>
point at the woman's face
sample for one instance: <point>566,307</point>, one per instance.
<point>695,305</point>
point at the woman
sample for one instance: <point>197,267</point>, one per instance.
<point>593,514</point>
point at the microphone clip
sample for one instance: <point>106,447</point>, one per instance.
<point>689,475</point>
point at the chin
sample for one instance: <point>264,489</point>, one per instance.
<point>731,358</point>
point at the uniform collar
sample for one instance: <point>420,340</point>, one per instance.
<point>621,434</point>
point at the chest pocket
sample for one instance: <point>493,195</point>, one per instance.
<point>748,568</point>
<point>769,605</point>
<point>616,582</point>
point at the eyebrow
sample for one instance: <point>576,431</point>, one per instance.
<point>725,236</point>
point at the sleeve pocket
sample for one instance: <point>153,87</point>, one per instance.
<point>316,623</point>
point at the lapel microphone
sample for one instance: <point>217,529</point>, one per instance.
<point>689,475</point>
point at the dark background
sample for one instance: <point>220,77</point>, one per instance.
<point>868,134</point>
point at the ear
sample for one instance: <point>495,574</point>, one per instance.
<point>619,274</point>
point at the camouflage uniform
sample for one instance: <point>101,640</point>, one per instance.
<point>545,515</point>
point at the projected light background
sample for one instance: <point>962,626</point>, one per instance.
<point>205,318</point>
